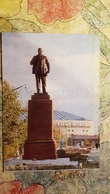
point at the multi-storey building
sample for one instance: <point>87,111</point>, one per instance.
<point>70,124</point>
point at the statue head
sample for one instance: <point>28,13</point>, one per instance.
<point>40,51</point>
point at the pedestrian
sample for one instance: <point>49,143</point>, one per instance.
<point>96,145</point>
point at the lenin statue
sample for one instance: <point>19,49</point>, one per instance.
<point>41,68</point>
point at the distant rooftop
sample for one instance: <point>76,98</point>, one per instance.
<point>61,115</point>
<point>23,116</point>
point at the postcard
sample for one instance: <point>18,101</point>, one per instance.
<point>50,100</point>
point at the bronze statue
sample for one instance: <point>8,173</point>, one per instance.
<point>41,68</point>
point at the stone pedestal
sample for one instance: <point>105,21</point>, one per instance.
<point>40,144</point>
<point>61,153</point>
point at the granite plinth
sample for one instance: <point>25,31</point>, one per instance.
<point>40,144</point>
<point>61,153</point>
<point>40,150</point>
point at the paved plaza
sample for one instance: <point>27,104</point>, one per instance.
<point>58,161</point>
<point>92,157</point>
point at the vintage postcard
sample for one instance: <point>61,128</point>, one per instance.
<point>50,100</point>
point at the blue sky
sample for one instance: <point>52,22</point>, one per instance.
<point>73,82</point>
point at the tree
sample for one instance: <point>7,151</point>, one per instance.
<point>87,143</point>
<point>14,130</point>
<point>56,136</point>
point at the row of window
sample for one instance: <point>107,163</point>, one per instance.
<point>86,125</point>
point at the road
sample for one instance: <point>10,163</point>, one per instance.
<point>93,157</point>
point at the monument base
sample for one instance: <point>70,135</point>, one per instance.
<point>40,144</point>
<point>40,150</point>
<point>61,153</point>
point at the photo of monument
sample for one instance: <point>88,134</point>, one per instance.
<point>55,81</point>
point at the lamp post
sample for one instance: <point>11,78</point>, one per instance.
<point>60,124</point>
<point>60,132</point>
<point>17,130</point>
<point>66,124</point>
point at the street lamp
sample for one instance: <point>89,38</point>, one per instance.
<point>60,124</point>
<point>66,124</point>
<point>17,131</point>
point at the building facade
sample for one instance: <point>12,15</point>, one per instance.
<point>70,124</point>
<point>75,140</point>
